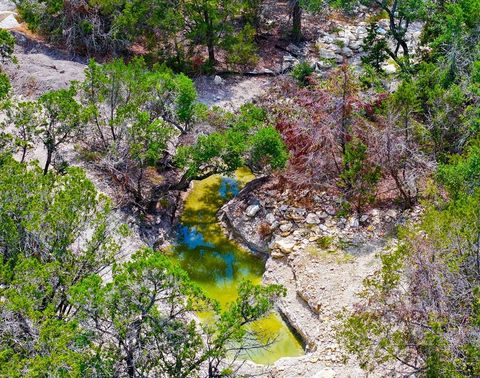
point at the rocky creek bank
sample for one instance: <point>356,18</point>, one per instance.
<point>321,258</point>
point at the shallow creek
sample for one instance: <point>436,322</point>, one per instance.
<point>218,264</point>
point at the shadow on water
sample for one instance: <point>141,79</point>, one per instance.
<point>217,264</point>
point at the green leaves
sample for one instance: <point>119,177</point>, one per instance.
<point>43,215</point>
<point>168,30</point>
<point>7,44</point>
<point>254,301</point>
<point>421,307</point>
<point>5,86</point>
<point>186,97</point>
<point>53,233</point>
<point>359,176</point>
<point>148,304</point>
<point>374,45</point>
<point>462,174</point>
<point>268,148</point>
<point>301,72</point>
<point>57,314</point>
<point>248,141</point>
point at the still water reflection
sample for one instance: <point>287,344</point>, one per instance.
<point>218,265</point>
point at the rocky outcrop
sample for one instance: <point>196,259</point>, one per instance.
<point>342,41</point>
<point>243,223</point>
<point>320,258</point>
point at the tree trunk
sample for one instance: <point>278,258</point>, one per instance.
<point>296,22</point>
<point>211,53</point>
<point>210,38</point>
<point>181,185</point>
<point>49,161</point>
<point>161,190</point>
<point>24,154</point>
<point>406,197</point>
<point>130,366</point>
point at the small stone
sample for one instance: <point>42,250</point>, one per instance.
<point>363,218</point>
<point>326,54</point>
<point>294,49</point>
<point>390,68</point>
<point>331,210</point>
<point>289,58</point>
<point>270,218</point>
<point>252,210</point>
<point>322,215</point>
<point>353,222</point>
<point>327,39</point>
<point>392,214</point>
<point>342,41</point>
<point>335,48</point>
<point>217,80</point>
<point>381,31</point>
<point>7,5</point>
<point>338,58</point>
<point>284,245</point>
<point>312,218</point>
<point>347,52</point>
<point>347,34</point>
<point>323,65</point>
<point>323,227</point>
<point>326,372</point>
<point>362,30</point>
<point>286,227</point>
<point>355,45</point>
<point>286,66</point>
<point>277,254</point>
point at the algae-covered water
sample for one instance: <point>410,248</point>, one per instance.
<point>218,265</point>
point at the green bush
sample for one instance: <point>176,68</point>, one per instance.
<point>301,72</point>
<point>241,48</point>
<point>86,27</point>
<point>7,43</point>
<point>4,85</point>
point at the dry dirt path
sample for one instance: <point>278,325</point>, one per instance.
<point>41,68</point>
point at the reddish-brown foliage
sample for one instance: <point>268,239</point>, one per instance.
<point>265,230</point>
<point>318,121</point>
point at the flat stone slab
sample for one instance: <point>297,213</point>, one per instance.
<point>9,22</point>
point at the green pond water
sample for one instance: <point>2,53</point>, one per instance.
<point>217,264</point>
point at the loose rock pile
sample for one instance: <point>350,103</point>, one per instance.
<point>321,258</point>
<point>268,224</point>
<point>343,42</point>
